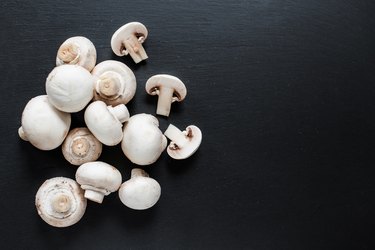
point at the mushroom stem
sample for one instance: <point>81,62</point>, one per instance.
<point>120,112</point>
<point>136,172</point>
<point>80,146</point>
<point>61,203</point>
<point>68,53</point>
<point>109,86</point>
<point>22,134</point>
<point>135,49</point>
<point>94,195</point>
<point>175,135</point>
<point>164,101</point>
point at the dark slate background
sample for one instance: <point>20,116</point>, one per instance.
<point>283,92</point>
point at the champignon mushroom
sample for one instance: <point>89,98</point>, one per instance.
<point>115,83</point>
<point>60,202</point>
<point>105,122</point>
<point>183,143</point>
<point>70,87</point>
<point>77,50</point>
<point>98,179</point>
<point>140,192</point>
<point>143,142</point>
<point>43,125</point>
<point>168,88</point>
<point>81,146</point>
<point>128,39</point>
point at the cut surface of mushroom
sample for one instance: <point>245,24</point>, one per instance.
<point>77,50</point>
<point>140,192</point>
<point>183,143</point>
<point>98,179</point>
<point>128,39</point>
<point>169,89</point>
<point>115,83</point>
<point>60,202</point>
<point>43,125</point>
<point>81,146</point>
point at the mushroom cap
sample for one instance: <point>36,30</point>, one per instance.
<point>70,87</point>
<point>125,76</point>
<point>103,124</point>
<point>143,142</point>
<point>63,194</point>
<point>43,125</point>
<point>194,138</point>
<point>154,83</point>
<point>124,33</point>
<point>86,51</point>
<point>140,192</point>
<point>81,146</point>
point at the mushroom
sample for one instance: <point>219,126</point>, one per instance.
<point>115,83</point>
<point>70,87</point>
<point>43,125</point>
<point>105,122</point>
<point>81,146</point>
<point>143,142</point>
<point>128,39</point>
<point>77,50</point>
<point>168,88</point>
<point>140,192</point>
<point>183,143</point>
<point>98,179</point>
<point>60,202</point>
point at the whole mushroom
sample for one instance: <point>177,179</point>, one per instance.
<point>143,142</point>
<point>128,39</point>
<point>60,202</point>
<point>43,125</point>
<point>140,192</point>
<point>115,83</point>
<point>98,179</point>
<point>169,89</point>
<point>77,50</point>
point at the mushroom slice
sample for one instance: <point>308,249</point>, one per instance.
<point>105,122</point>
<point>183,143</point>
<point>128,39</point>
<point>98,179</point>
<point>70,87</point>
<point>43,125</point>
<point>115,83</point>
<point>77,50</point>
<point>60,202</point>
<point>140,192</point>
<point>81,146</point>
<point>168,88</point>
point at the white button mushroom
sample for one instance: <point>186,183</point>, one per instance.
<point>77,50</point>
<point>140,192</point>
<point>183,143</point>
<point>143,142</point>
<point>60,202</point>
<point>168,88</point>
<point>105,122</point>
<point>128,39</point>
<point>98,179</point>
<point>115,83</point>
<point>43,125</point>
<point>70,87</point>
<point>81,146</point>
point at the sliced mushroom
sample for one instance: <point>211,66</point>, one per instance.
<point>60,202</point>
<point>43,125</point>
<point>70,87</point>
<point>77,50</point>
<point>105,122</point>
<point>98,179</point>
<point>143,142</point>
<point>128,39</point>
<point>183,143</point>
<point>140,192</point>
<point>115,83</point>
<point>81,146</point>
<point>169,89</point>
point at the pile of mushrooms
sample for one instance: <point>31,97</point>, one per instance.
<point>102,90</point>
